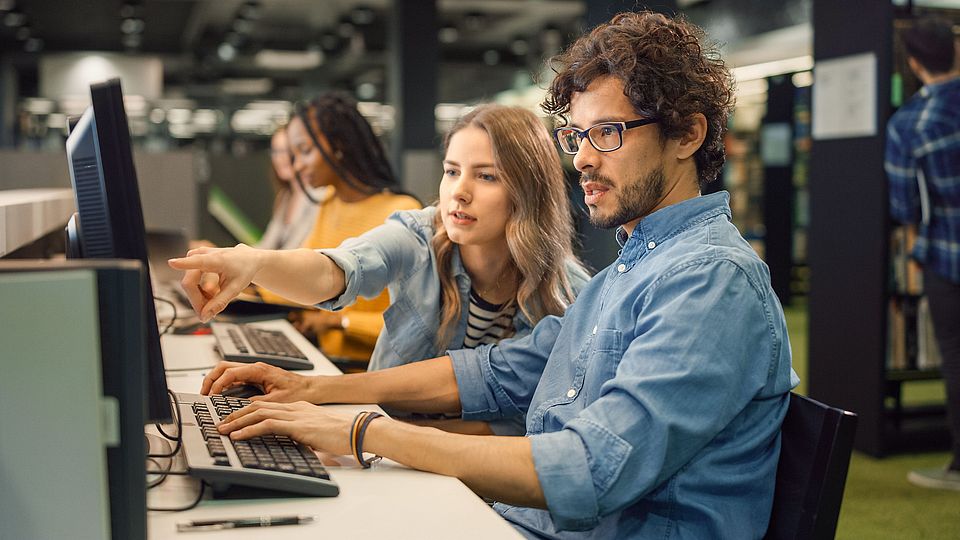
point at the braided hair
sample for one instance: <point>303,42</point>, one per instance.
<point>360,161</point>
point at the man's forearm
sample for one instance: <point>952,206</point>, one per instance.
<point>429,386</point>
<point>301,275</point>
<point>500,468</point>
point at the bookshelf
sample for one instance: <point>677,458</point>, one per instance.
<point>860,351</point>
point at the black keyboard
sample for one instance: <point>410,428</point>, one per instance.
<point>248,343</point>
<point>271,462</point>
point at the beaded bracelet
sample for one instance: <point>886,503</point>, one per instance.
<point>363,422</point>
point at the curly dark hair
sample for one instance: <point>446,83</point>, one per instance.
<point>668,72</point>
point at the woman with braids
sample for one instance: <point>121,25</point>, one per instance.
<point>334,148</point>
<point>489,261</point>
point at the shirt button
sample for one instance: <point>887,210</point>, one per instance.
<point>621,268</point>
<point>594,330</point>
<point>571,392</point>
<point>651,245</point>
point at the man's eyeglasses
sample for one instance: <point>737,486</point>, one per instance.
<point>605,136</point>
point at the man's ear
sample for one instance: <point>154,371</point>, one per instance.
<point>692,140</point>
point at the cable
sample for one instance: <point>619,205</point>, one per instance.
<point>174,319</point>
<point>203,489</point>
<point>178,437</point>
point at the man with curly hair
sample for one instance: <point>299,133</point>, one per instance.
<point>654,405</point>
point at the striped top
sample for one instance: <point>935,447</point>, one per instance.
<point>486,322</point>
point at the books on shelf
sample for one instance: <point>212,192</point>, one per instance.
<point>911,343</point>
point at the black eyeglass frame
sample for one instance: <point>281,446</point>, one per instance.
<point>585,133</point>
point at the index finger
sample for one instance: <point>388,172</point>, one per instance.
<point>215,374</point>
<point>193,261</point>
<point>236,373</point>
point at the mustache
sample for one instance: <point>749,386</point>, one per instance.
<point>596,178</point>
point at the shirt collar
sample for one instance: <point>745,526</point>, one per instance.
<point>929,89</point>
<point>669,221</point>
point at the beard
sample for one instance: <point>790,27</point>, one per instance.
<point>637,198</point>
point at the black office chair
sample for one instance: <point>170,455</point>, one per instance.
<point>816,442</point>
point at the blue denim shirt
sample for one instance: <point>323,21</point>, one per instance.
<point>398,256</point>
<point>654,405</point>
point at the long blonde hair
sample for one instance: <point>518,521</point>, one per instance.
<point>540,229</point>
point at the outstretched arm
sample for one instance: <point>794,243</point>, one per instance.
<point>302,275</point>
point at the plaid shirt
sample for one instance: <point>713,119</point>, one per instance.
<point>923,165</point>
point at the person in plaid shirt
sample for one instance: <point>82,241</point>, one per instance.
<point>923,166</point>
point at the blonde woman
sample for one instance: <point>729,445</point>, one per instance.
<point>489,261</point>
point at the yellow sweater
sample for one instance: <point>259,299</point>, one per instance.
<point>336,221</point>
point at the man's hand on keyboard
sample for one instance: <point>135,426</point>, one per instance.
<point>278,385</point>
<point>232,270</point>
<point>301,421</point>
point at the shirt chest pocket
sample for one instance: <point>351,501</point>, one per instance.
<point>409,337</point>
<point>600,360</point>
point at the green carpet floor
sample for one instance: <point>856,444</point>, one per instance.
<point>878,501</point>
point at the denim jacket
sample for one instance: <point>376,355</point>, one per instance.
<point>398,255</point>
<point>654,404</point>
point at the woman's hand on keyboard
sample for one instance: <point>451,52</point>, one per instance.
<point>214,276</point>
<point>303,422</point>
<point>278,385</point>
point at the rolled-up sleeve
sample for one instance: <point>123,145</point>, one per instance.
<point>673,392</point>
<point>498,381</point>
<point>373,260</point>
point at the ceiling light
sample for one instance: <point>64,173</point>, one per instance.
<point>448,34</point>
<point>131,26</point>
<point>289,60</point>
<point>179,116</point>
<point>39,105</point>
<point>157,115</point>
<point>366,91</point>
<point>777,67</point>
<point>226,52</point>
<point>519,47</point>
<point>252,86</point>
<point>491,57</point>
<point>14,19</point>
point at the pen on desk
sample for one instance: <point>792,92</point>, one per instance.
<point>264,521</point>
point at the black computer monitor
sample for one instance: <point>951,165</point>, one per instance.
<point>109,219</point>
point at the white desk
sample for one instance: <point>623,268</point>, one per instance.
<point>28,214</point>
<point>386,501</point>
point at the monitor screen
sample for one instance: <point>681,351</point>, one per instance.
<point>109,219</point>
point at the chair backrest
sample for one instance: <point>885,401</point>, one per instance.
<point>816,443</point>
